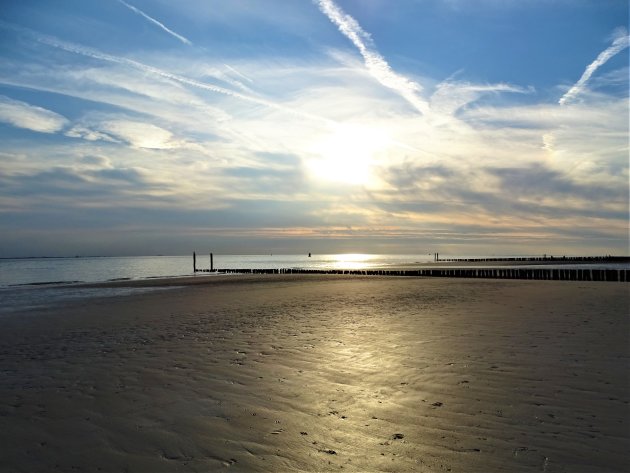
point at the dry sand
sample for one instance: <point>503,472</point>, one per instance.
<point>321,373</point>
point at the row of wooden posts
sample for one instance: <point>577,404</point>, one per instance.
<point>567,274</point>
<point>195,270</point>
<point>544,258</point>
<point>613,275</point>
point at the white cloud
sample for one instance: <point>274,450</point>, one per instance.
<point>445,153</point>
<point>541,116</point>
<point>84,132</point>
<point>451,96</point>
<point>92,53</point>
<point>177,118</point>
<point>134,90</point>
<point>619,44</point>
<point>24,115</point>
<point>95,161</point>
<point>140,135</point>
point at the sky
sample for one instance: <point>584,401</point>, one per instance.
<point>464,127</point>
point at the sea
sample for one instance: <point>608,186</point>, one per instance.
<point>30,283</point>
<point>33,283</point>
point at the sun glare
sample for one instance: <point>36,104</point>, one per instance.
<point>352,261</point>
<point>347,154</point>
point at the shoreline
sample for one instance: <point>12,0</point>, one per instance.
<point>84,275</point>
<point>415,270</point>
<point>572,274</point>
<point>318,372</point>
<point>27,297</point>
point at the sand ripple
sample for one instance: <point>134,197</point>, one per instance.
<point>319,374</point>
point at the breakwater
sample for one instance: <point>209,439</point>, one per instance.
<point>544,259</point>
<point>571,274</point>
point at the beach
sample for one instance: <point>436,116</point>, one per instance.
<point>321,373</point>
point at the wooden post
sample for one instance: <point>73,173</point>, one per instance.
<point>194,262</point>
<point>211,263</point>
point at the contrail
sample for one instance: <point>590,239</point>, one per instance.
<point>375,63</point>
<point>618,45</point>
<point>154,21</point>
<point>238,73</point>
<point>89,52</point>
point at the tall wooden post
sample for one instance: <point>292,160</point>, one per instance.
<point>211,263</point>
<point>194,262</point>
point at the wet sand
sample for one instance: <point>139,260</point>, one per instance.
<point>321,373</point>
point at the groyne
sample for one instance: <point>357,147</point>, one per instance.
<point>543,259</point>
<point>569,274</point>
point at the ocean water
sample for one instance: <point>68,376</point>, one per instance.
<point>40,282</point>
<point>47,271</point>
<point>62,271</point>
<point>33,283</point>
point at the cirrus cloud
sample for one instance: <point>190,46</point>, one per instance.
<point>24,115</point>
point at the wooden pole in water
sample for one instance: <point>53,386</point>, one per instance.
<point>211,263</point>
<point>194,262</point>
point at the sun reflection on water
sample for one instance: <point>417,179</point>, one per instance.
<point>353,261</point>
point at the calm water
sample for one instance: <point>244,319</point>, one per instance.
<point>27,284</point>
<point>39,282</point>
<point>19,272</point>
<point>66,270</point>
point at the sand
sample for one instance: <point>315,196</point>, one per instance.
<point>321,373</point>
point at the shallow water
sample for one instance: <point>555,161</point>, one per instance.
<point>32,283</point>
<point>30,298</point>
<point>45,271</point>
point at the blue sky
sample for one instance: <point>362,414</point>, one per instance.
<point>255,126</point>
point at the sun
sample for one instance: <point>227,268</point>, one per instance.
<point>347,154</point>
